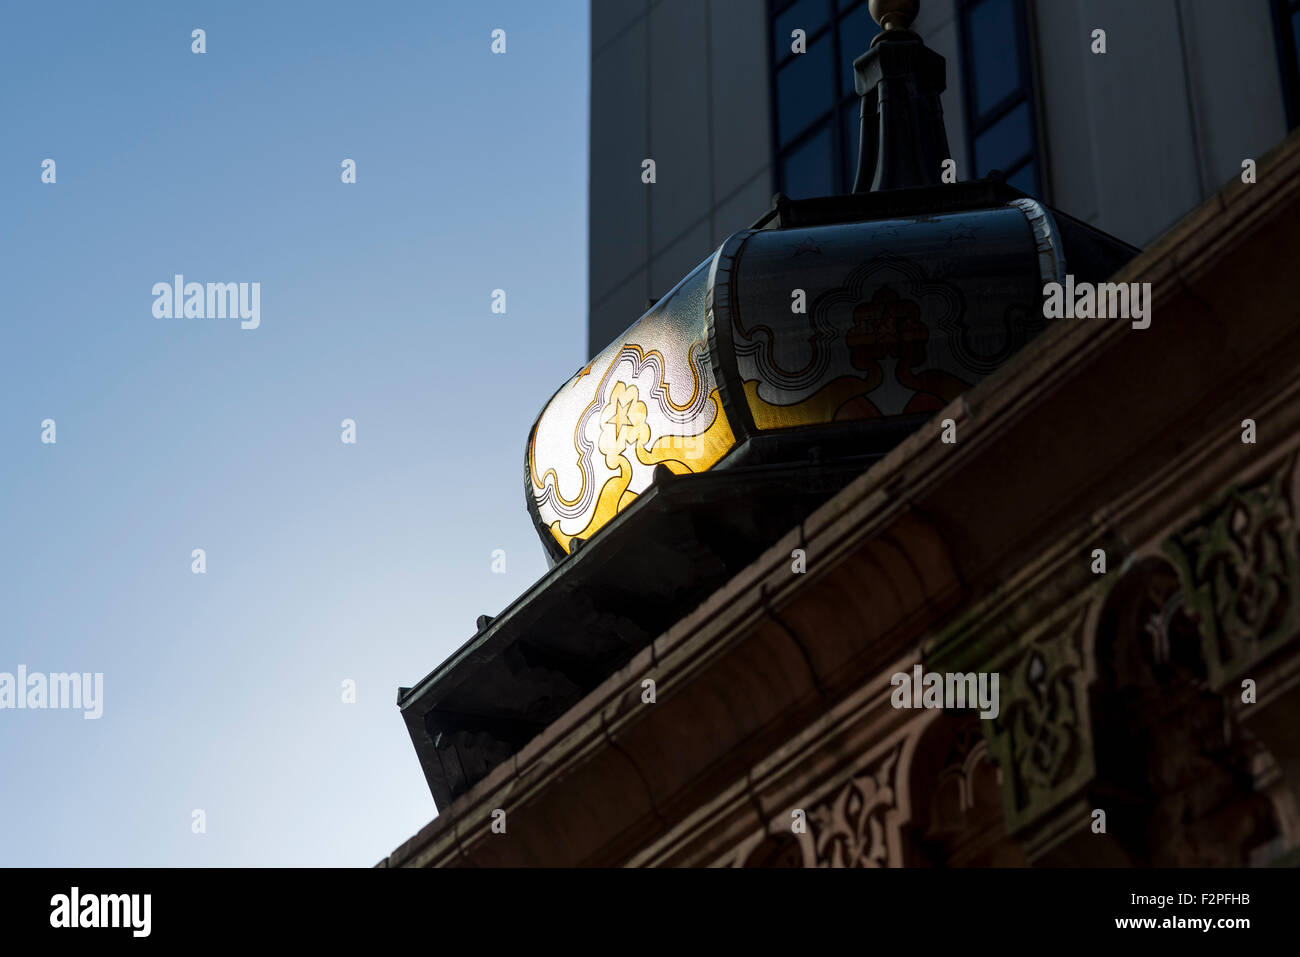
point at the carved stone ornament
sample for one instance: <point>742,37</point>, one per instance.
<point>852,828</point>
<point>1041,739</point>
<point>1240,574</point>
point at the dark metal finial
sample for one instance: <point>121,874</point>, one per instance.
<point>903,140</point>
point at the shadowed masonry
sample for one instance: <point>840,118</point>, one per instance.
<point>61,690</point>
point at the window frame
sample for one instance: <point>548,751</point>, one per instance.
<point>976,125</point>
<point>1288,58</point>
<point>840,11</point>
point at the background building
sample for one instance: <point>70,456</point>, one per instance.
<point>1129,141</point>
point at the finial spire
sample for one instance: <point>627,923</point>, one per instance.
<point>894,14</point>
<point>903,141</point>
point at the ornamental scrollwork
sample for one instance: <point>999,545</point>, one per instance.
<point>1240,574</point>
<point>1042,739</point>
<point>852,828</point>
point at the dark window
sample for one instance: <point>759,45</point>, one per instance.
<point>815,126</point>
<point>810,16</point>
<point>996,77</point>
<point>1004,145</point>
<point>1286,29</point>
<point>803,90</point>
<point>810,164</point>
<point>856,31</point>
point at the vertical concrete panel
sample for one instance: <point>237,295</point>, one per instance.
<point>617,209</point>
<point>1139,125</point>
<point>742,112</point>
<point>618,310</point>
<point>671,266</point>
<point>679,128</point>
<point>739,210</point>
<point>1065,124</point>
<point>1236,84</point>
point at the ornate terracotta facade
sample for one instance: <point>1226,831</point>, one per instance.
<point>1163,692</point>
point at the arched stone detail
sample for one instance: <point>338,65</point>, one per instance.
<point>1238,562</point>
<point>857,812</point>
<point>1173,771</point>
<point>957,817</point>
<point>856,819</point>
<point>856,824</point>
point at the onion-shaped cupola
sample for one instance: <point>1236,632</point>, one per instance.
<point>834,326</point>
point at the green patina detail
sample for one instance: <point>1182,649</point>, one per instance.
<point>1240,574</point>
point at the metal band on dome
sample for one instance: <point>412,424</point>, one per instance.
<point>719,307</point>
<point>1047,239</point>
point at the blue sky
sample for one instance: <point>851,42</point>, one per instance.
<point>325,561</point>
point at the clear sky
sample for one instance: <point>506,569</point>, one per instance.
<point>326,561</point>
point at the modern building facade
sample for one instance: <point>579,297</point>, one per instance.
<point>1129,140</point>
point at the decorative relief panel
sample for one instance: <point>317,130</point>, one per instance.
<point>957,817</point>
<point>855,827</point>
<point>1240,573</point>
<point>1041,738</point>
